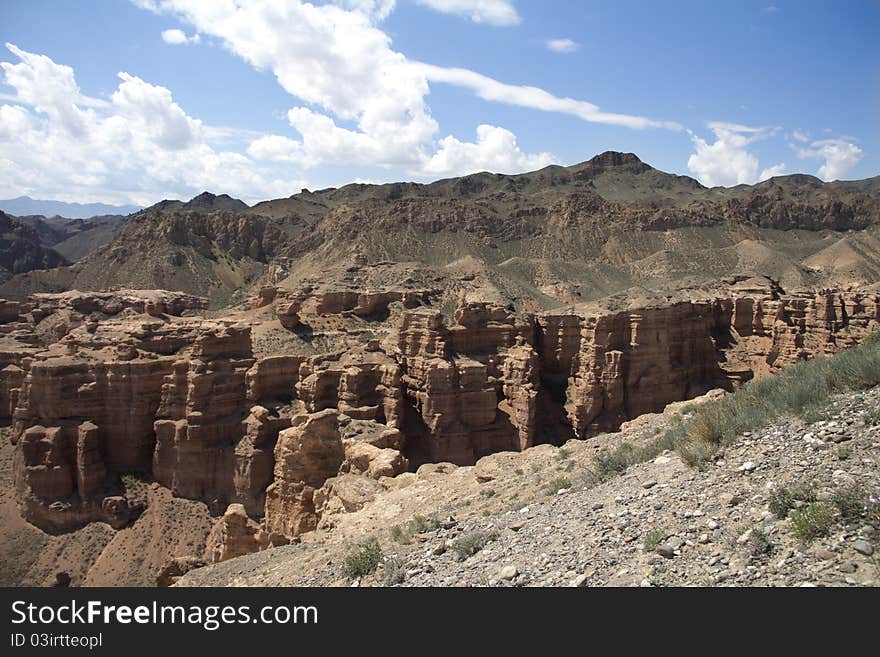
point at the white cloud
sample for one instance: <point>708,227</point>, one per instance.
<point>177,37</point>
<point>150,110</point>
<point>800,136</point>
<point>138,147</point>
<point>840,155</point>
<point>492,12</point>
<point>377,10</point>
<point>536,98</point>
<point>563,45</point>
<point>495,150</point>
<point>341,68</point>
<point>726,161</point>
<point>772,172</point>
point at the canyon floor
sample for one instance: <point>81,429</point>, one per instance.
<point>546,518</point>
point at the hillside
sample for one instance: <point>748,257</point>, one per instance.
<point>549,517</point>
<point>557,236</point>
<point>21,249</point>
<point>74,238</point>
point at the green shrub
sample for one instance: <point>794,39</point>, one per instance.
<point>469,544</point>
<point>423,525</point>
<point>783,500</point>
<point>558,484</point>
<point>613,462</point>
<point>393,572</point>
<point>812,521</point>
<point>363,560</point>
<point>653,538</point>
<point>759,543</point>
<point>419,524</point>
<point>850,500</point>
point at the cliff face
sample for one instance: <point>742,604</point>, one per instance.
<point>297,438</point>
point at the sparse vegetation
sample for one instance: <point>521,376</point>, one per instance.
<point>393,572</point>
<point>872,418</point>
<point>613,462</point>
<point>759,543</point>
<point>783,500</point>
<point>812,521</point>
<point>469,544</point>
<point>556,485</point>
<point>363,560</point>
<point>850,501</point>
<point>797,390</point>
<point>419,524</point>
<point>653,538</point>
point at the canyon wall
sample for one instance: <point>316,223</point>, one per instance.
<point>104,387</point>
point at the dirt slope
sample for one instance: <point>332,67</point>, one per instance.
<point>661,523</point>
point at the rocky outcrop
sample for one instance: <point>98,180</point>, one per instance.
<point>490,384</point>
<point>296,439</point>
<point>150,302</point>
<point>234,535</point>
<point>255,458</point>
<point>203,406</point>
<point>472,385</point>
<point>306,455</point>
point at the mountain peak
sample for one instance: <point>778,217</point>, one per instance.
<point>208,201</point>
<point>614,159</point>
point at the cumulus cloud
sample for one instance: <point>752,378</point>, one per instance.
<point>340,66</point>
<point>840,156</point>
<point>562,45</point>
<point>772,172</point>
<point>137,147</point>
<point>727,161</point>
<point>492,12</point>
<point>495,150</point>
<point>177,37</point>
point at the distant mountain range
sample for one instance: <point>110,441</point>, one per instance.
<point>539,240</point>
<point>25,206</point>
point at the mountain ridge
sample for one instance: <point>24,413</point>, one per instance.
<point>25,205</point>
<point>538,239</point>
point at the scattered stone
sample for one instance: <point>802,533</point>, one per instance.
<point>507,573</point>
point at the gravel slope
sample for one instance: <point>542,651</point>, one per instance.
<point>659,524</point>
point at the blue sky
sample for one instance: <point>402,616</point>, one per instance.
<point>134,101</point>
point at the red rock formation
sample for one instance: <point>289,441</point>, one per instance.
<point>306,455</point>
<point>255,458</point>
<point>299,438</point>
<point>234,535</point>
<point>204,401</point>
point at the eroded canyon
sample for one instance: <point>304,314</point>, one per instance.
<point>111,394</point>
